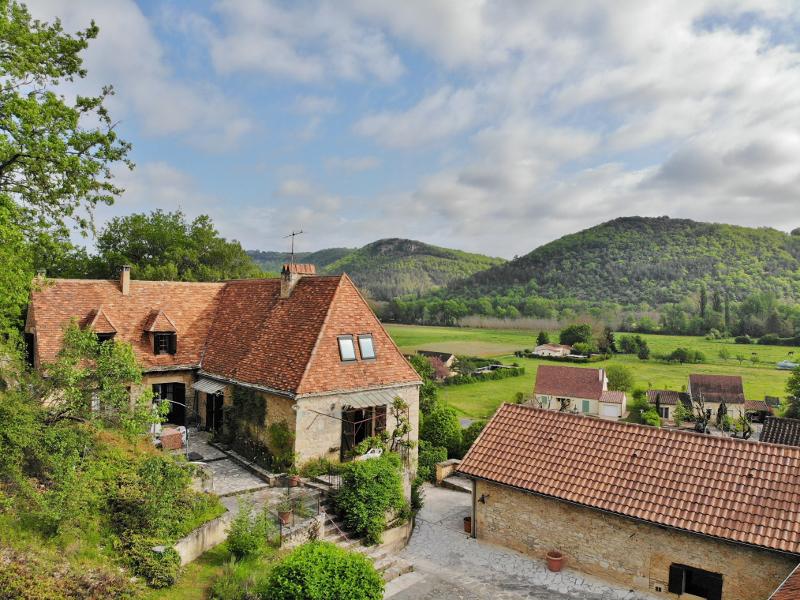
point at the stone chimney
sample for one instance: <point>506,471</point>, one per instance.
<point>291,274</point>
<point>125,280</point>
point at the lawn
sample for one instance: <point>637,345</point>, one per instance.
<point>479,400</point>
<point>196,578</point>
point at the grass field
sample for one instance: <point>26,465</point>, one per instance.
<point>479,400</point>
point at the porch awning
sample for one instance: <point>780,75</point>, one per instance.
<point>369,398</point>
<point>209,386</point>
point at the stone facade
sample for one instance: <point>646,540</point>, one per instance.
<point>620,550</point>
<point>185,377</point>
<point>320,435</point>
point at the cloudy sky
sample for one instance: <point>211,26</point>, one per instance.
<point>488,126</point>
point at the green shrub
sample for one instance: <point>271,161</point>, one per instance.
<point>250,535</point>
<point>322,571</point>
<point>429,455</point>
<point>370,488</point>
<point>620,378</point>
<point>441,427</point>
<point>470,434</point>
<point>319,466</point>
<point>242,580</point>
<point>159,569</point>
<point>743,339</point>
<point>417,494</point>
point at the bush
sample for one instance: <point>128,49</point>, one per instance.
<point>245,580</point>
<point>159,569</point>
<point>319,466</point>
<point>429,455</point>
<point>770,339</point>
<point>576,333</point>
<point>370,488</point>
<point>322,571</point>
<point>743,339</point>
<point>250,535</point>
<point>417,494</point>
<point>441,427</point>
<point>470,434</point>
<point>620,378</point>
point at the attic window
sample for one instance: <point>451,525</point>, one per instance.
<point>347,350</point>
<point>105,337</point>
<point>165,343</point>
<point>365,346</point>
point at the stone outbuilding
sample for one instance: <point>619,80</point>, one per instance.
<point>302,351</point>
<point>677,514</point>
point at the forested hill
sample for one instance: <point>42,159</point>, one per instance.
<point>632,260</point>
<point>273,261</point>
<point>390,268</point>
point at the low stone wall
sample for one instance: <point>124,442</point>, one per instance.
<point>305,531</point>
<point>203,538</point>
<point>446,468</point>
<point>396,538</point>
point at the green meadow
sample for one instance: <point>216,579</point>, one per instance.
<point>479,400</point>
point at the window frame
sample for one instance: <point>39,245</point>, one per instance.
<point>171,343</point>
<point>371,338</point>
<point>339,340</point>
<point>105,337</point>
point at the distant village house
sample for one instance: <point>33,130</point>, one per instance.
<point>575,389</point>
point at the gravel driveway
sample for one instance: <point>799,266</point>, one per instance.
<point>450,564</point>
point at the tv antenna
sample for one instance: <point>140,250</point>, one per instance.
<point>292,235</point>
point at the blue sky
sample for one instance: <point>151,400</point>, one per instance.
<point>488,126</point>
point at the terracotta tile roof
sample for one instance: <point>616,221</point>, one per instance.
<point>100,323</point>
<point>299,268</point>
<point>190,305</point>
<point>790,589</point>
<point>781,431</point>
<point>239,330</point>
<point>613,397</point>
<point>574,382</point>
<point>668,397</point>
<point>158,321</point>
<point>722,487</point>
<point>716,388</point>
<point>758,405</point>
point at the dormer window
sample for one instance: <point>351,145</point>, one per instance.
<point>366,346</point>
<point>105,337</point>
<point>347,350</point>
<point>165,343</point>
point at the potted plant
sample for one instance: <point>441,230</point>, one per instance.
<point>284,509</point>
<point>555,561</point>
<point>293,473</point>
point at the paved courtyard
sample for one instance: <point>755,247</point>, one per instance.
<point>450,564</point>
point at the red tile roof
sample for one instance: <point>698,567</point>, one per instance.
<point>612,397</point>
<point>190,305</point>
<point>716,388</point>
<point>299,268</point>
<point>239,330</point>
<point>573,382</point>
<point>790,589</point>
<point>717,486</point>
<point>757,405</point>
<point>100,323</point>
<point>777,430</point>
<point>159,322</point>
<point>667,397</point>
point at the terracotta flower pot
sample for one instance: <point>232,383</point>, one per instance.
<point>468,524</point>
<point>294,480</point>
<point>555,561</point>
<point>285,516</point>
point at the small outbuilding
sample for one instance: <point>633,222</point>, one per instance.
<point>673,513</point>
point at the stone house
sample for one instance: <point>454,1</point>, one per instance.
<point>583,391</point>
<point>716,390</point>
<point>674,513</point>
<point>667,400</point>
<point>303,351</point>
<point>552,350</point>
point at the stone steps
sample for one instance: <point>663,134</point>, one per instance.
<point>457,483</point>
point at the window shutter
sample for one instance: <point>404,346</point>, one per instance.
<point>173,343</point>
<point>155,343</point>
<point>677,578</point>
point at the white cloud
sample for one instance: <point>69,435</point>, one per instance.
<point>128,55</point>
<point>353,163</point>
<point>308,42</point>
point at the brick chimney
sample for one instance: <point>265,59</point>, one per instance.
<point>125,280</point>
<point>291,274</point>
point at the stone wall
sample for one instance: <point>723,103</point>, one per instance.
<point>308,530</point>
<point>148,379</point>
<point>445,469</point>
<point>204,538</point>
<point>320,435</point>
<point>620,550</point>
